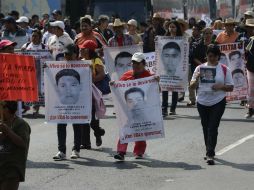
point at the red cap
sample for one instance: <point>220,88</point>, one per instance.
<point>88,44</point>
<point>5,43</point>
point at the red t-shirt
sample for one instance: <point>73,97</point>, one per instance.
<point>120,40</point>
<point>129,75</point>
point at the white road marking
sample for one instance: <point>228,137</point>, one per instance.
<point>232,146</point>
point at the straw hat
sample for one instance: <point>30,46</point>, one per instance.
<point>250,22</point>
<point>183,23</point>
<point>230,21</point>
<point>249,13</point>
<point>117,23</point>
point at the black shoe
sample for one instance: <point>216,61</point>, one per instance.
<point>119,156</point>
<point>189,104</point>
<point>210,161</point>
<point>180,99</point>
<point>87,147</point>
<point>164,112</point>
<point>98,141</point>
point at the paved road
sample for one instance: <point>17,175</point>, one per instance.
<point>175,162</point>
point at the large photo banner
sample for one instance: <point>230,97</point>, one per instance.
<point>172,63</point>
<point>233,57</point>
<point>18,78</point>
<point>150,62</point>
<point>118,59</point>
<point>68,91</point>
<point>138,109</point>
<point>41,56</point>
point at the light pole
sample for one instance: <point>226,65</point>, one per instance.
<point>185,9</point>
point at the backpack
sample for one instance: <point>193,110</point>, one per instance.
<point>100,108</point>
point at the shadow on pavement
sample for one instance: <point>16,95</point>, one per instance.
<point>46,165</point>
<point>245,167</point>
<point>32,116</point>
<point>136,164</point>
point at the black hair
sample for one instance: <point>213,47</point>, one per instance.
<point>121,55</point>
<point>35,16</point>
<point>86,20</point>
<point>38,32</point>
<point>178,28</point>
<point>237,71</point>
<point>72,49</point>
<point>14,13</point>
<point>144,24</point>
<point>234,53</point>
<point>172,45</point>
<point>132,90</point>
<point>1,15</point>
<point>201,24</point>
<point>67,72</point>
<point>200,28</point>
<point>12,106</point>
<point>214,49</point>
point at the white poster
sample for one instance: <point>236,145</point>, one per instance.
<point>68,91</point>
<point>207,78</point>
<point>233,57</point>
<point>172,58</point>
<point>150,62</point>
<point>41,56</point>
<point>118,59</point>
<point>138,109</point>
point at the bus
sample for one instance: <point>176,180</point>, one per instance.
<point>140,10</point>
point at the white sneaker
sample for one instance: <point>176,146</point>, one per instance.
<point>59,156</point>
<point>75,154</point>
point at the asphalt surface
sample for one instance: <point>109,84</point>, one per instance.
<point>175,162</point>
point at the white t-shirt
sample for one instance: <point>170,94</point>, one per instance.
<point>213,97</point>
<point>58,45</point>
<point>32,46</point>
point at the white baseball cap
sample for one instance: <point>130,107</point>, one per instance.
<point>133,22</point>
<point>22,19</point>
<point>58,23</point>
<point>138,57</point>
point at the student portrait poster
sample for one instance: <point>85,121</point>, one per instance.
<point>118,59</point>
<point>138,110</point>
<point>233,57</point>
<point>68,91</point>
<point>41,56</point>
<point>172,58</point>
<point>207,78</point>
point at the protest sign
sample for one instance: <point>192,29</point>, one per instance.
<point>68,91</point>
<point>18,78</point>
<point>207,78</point>
<point>172,63</point>
<point>118,59</point>
<point>150,62</point>
<point>233,57</point>
<point>138,109</point>
<point>41,56</point>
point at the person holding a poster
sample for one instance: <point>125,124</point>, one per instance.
<point>36,45</point>
<point>133,98</point>
<point>14,145</point>
<point>68,86</point>
<point>87,50</point>
<point>171,57</point>
<point>211,104</point>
